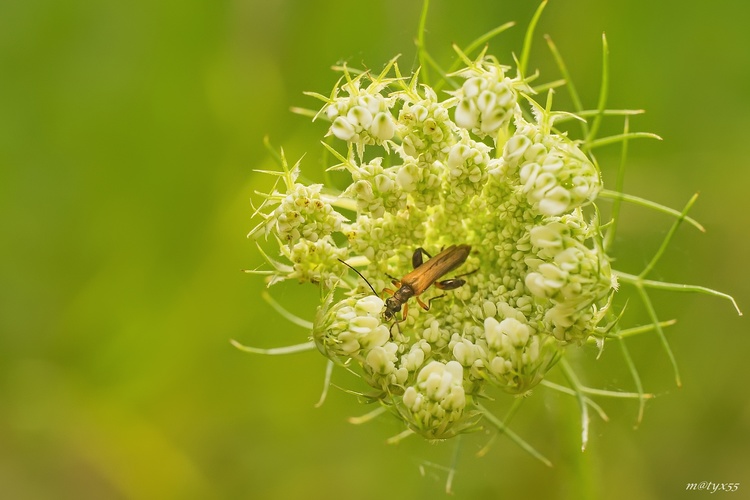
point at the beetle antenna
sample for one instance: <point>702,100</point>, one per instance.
<point>360,275</point>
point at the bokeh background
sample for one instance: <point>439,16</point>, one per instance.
<point>129,132</point>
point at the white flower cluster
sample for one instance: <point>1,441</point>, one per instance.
<point>424,126</point>
<point>492,178</point>
<point>376,189</point>
<point>436,400</point>
<point>303,223</point>
<point>363,116</point>
<point>554,174</point>
<point>518,357</point>
<point>567,273</point>
<point>488,100</point>
<point>352,329</point>
<point>303,215</point>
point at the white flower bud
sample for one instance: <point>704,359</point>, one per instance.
<point>535,152</point>
<point>383,127</point>
<point>342,129</point>
<point>384,183</point>
<point>556,201</point>
<point>548,236</point>
<point>493,333</point>
<point>517,332</point>
<point>370,304</point>
<point>331,111</point>
<point>420,112</point>
<point>499,365</point>
<point>462,353</point>
<point>414,359</point>
<point>486,102</point>
<point>473,86</point>
<point>381,359</point>
<point>455,400</point>
<point>412,399</point>
<point>407,177</point>
<point>493,120</point>
<point>432,333</point>
<point>371,102</point>
<point>363,324</point>
<point>360,117</point>
<point>516,148</point>
<point>348,343</point>
<point>467,114</point>
<point>540,286</point>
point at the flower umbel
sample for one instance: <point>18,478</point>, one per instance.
<point>538,274</point>
<point>485,166</point>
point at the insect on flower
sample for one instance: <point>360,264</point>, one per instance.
<point>422,277</point>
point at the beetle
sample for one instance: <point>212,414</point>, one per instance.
<point>421,278</point>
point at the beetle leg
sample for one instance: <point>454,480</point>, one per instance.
<point>396,282</point>
<point>403,313</point>
<point>450,284</point>
<point>397,322</point>
<point>416,259</point>
<point>467,274</point>
<point>429,302</point>
<point>426,307</point>
<point>390,330</point>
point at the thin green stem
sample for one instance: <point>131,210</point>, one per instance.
<point>551,85</point>
<point>285,313</point>
<point>478,42</point>
<point>400,436</point>
<point>614,139</point>
<point>275,351</point>
<point>577,104</point>
<point>673,287</point>
<point>596,392</point>
<point>527,41</point>
<point>326,384</point>
<point>630,332</point>
<point>571,392</point>
<point>310,113</point>
<point>443,74</point>
<point>576,385</point>
<point>636,379</point>
<point>512,435</point>
<point>367,416</point>
<point>603,92</point>
<point>471,48</point>
<point>668,238</point>
<point>614,195</point>
<point>606,112</point>
<point>651,311</point>
<point>619,184</point>
<point>454,465</point>
<point>514,407</point>
<point>422,51</point>
<point>272,150</point>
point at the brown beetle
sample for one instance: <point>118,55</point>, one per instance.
<point>424,275</point>
<point>421,278</point>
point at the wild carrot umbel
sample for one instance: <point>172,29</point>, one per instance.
<point>487,165</point>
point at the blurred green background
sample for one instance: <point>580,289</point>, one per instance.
<point>128,136</point>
